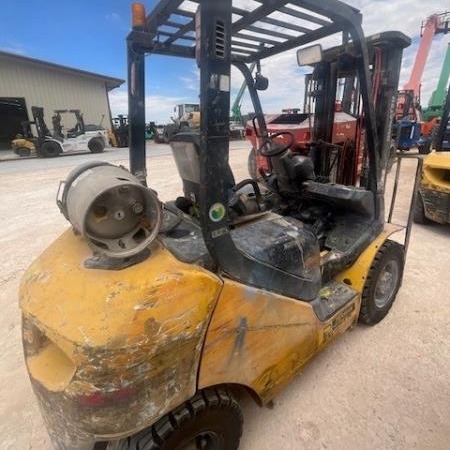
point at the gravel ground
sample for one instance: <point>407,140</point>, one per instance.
<point>382,387</point>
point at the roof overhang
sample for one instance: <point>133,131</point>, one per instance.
<point>110,82</point>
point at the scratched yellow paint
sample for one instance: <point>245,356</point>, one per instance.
<point>52,368</point>
<point>158,325</point>
<point>160,296</point>
<point>261,340</point>
<point>257,339</point>
<point>92,332</point>
<point>435,167</point>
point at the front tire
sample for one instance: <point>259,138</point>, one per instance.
<point>23,152</point>
<point>50,149</point>
<point>211,420</point>
<point>383,282</point>
<point>96,145</point>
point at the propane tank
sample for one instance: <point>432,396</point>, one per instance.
<point>110,208</point>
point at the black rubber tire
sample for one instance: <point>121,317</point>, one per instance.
<point>424,149</point>
<point>419,211</point>
<point>96,145</point>
<point>251,164</point>
<point>211,410</point>
<point>389,253</point>
<point>49,149</point>
<point>23,152</point>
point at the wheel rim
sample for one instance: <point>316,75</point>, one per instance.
<point>207,440</point>
<point>386,284</point>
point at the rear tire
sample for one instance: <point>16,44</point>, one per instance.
<point>424,149</point>
<point>96,145</point>
<point>211,420</point>
<point>23,152</point>
<point>50,149</point>
<point>383,282</point>
<point>419,211</point>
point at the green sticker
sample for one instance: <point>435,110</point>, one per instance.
<point>217,212</point>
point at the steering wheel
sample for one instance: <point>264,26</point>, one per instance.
<point>269,148</point>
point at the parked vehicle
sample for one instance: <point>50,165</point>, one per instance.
<point>433,198</point>
<point>139,327</point>
<point>408,130</point>
<point>47,145</point>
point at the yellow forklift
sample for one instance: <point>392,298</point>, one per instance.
<point>432,202</point>
<point>143,319</point>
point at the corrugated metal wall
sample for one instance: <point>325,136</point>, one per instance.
<point>55,89</point>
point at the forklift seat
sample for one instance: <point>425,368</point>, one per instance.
<point>350,198</point>
<point>186,151</point>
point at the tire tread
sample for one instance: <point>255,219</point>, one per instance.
<point>366,315</point>
<point>154,437</point>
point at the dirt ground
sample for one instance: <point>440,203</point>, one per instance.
<point>381,387</point>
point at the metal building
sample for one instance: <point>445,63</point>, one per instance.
<point>27,82</point>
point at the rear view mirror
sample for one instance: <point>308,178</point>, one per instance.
<point>310,55</point>
<point>261,83</point>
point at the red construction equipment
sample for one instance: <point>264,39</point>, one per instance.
<point>408,114</point>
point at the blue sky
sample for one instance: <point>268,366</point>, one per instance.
<point>91,35</point>
<point>85,34</point>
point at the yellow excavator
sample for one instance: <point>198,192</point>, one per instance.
<point>143,319</point>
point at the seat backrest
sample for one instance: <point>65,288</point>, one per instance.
<point>186,151</point>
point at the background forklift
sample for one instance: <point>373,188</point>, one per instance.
<point>49,145</point>
<point>141,321</point>
<point>120,131</point>
<point>28,144</point>
<point>432,202</point>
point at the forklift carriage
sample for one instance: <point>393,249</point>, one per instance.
<point>142,321</point>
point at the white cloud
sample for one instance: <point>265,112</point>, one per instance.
<point>286,78</point>
<point>158,108</point>
<point>192,81</point>
<point>12,46</point>
<point>407,16</point>
<point>114,17</point>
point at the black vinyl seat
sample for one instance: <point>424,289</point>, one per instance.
<point>351,198</point>
<point>186,151</point>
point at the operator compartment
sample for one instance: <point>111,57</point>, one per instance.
<point>281,242</point>
<point>292,222</point>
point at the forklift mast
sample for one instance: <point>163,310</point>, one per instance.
<point>39,121</point>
